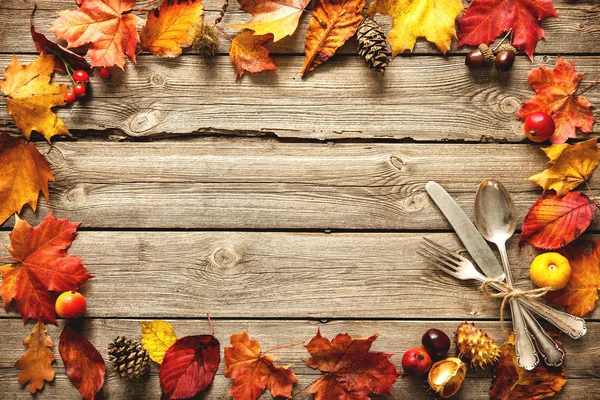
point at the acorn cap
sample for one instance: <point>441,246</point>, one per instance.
<point>488,54</point>
<point>506,47</point>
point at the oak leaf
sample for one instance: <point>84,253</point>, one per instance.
<point>42,268</point>
<point>83,363</point>
<point>253,372</point>
<point>189,366</point>
<point>553,222</point>
<point>103,24</point>
<point>352,371</point>
<point>556,94</point>
<point>248,54</point>
<point>431,19</point>
<point>36,363</point>
<point>30,97</point>
<point>25,173</point>
<point>157,337</point>
<point>571,166</point>
<point>512,382</point>
<point>277,17</point>
<point>168,28</point>
<point>485,20</point>
<point>333,22</point>
<point>581,293</point>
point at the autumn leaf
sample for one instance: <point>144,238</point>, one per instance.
<point>25,173</point>
<point>277,17</point>
<point>157,337</point>
<point>556,94</point>
<point>571,166</point>
<point>433,20</point>
<point>553,222</point>
<point>36,363</point>
<point>42,268</point>
<point>253,372</point>
<point>104,24</point>
<point>581,293</point>
<point>168,29</point>
<point>512,382</point>
<point>248,54</point>
<point>83,363</point>
<point>485,20</point>
<point>30,97</point>
<point>352,371</point>
<point>333,22</point>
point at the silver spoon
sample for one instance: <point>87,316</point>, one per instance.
<point>496,221</point>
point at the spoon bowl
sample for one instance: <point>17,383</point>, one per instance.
<point>494,212</point>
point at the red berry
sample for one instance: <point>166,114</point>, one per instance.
<point>475,59</point>
<point>104,73</point>
<point>436,342</point>
<point>539,126</point>
<point>70,305</point>
<point>70,97</point>
<point>79,90</point>
<point>81,76</point>
<point>416,362</point>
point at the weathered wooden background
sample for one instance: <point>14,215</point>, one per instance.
<point>280,204</point>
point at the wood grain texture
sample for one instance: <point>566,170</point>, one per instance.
<point>396,337</point>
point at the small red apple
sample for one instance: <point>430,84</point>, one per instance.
<point>70,305</point>
<point>539,126</point>
<point>416,362</point>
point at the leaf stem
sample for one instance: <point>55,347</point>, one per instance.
<point>286,346</point>
<point>222,12</point>
<point>583,89</point>
<point>503,39</point>
<point>224,33</point>
<point>68,67</point>
<point>212,327</point>
<point>591,194</point>
<point>148,5</point>
<point>305,387</point>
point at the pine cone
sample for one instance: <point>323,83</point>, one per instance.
<point>129,358</point>
<point>372,45</point>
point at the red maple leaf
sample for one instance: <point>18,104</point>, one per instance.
<point>42,267</point>
<point>556,94</point>
<point>485,20</point>
<point>352,371</point>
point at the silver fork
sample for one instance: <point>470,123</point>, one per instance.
<point>456,265</point>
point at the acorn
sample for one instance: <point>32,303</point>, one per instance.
<point>505,57</point>
<point>487,53</point>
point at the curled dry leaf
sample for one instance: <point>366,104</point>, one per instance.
<point>581,293</point>
<point>512,382</point>
<point>556,94</point>
<point>30,97</point>
<point>433,20</point>
<point>25,173</point>
<point>168,28</point>
<point>248,54</point>
<point>157,337</point>
<point>571,166</point>
<point>36,363</point>
<point>83,363</point>
<point>42,268</point>
<point>554,222</point>
<point>351,370</point>
<point>333,22</point>
<point>253,372</point>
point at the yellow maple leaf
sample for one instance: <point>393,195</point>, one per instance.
<point>431,19</point>
<point>36,363</point>
<point>157,337</point>
<point>30,97</point>
<point>571,166</point>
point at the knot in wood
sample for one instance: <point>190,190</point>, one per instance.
<point>397,162</point>
<point>225,258</point>
<point>75,195</point>
<point>55,156</point>
<point>157,79</point>
<point>144,122</point>
<point>510,105</point>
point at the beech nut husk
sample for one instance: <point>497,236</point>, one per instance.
<point>446,376</point>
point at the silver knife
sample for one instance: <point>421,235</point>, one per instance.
<point>467,232</point>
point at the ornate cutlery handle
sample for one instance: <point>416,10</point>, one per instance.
<point>526,353</point>
<point>548,348</point>
<point>573,326</point>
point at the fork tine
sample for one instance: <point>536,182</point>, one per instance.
<point>443,268</point>
<point>444,250</point>
<point>450,268</point>
<point>440,254</point>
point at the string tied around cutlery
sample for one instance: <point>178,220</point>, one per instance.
<point>509,293</point>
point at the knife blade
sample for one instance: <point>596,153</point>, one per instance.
<point>468,234</point>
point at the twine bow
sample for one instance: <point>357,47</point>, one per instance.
<point>509,293</point>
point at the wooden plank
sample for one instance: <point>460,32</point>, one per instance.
<point>579,22</point>
<point>215,183</point>
<point>396,337</point>
<point>278,275</point>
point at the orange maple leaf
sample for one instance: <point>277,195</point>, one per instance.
<point>104,25</point>
<point>25,173</point>
<point>30,97</point>
<point>352,371</point>
<point>253,372</point>
<point>168,28</point>
<point>248,54</point>
<point>333,22</point>
<point>581,293</point>
<point>36,363</point>
<point>556,94</point>
<point>42,267</point>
